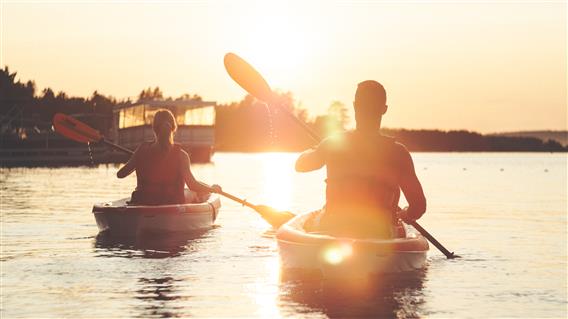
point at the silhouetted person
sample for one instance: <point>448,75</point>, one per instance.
<point>365,173</point>
<point>162,168</point>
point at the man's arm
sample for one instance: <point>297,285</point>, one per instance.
<point>311,159</point>
<point>412,189</point>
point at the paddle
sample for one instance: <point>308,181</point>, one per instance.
<point>80,132</point>
<point>449,255</point>
<point>254,83</point>
<point>249,79</point>
<point>83,133</point>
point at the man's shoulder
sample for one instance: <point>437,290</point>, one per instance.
<point>400,151</point>
<point>400,147</point>
<point>397,148</point>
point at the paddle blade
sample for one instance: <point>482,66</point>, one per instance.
<point>248,78</point>
<point>74,129</point>
<point>274,217</point>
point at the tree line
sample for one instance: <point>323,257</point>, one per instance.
<point>247,125</point>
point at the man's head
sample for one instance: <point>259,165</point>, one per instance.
<point>370,103</point>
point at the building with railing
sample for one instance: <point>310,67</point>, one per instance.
<point>132,125</point>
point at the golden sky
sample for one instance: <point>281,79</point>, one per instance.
<point>487,66</point>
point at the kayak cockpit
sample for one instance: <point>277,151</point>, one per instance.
<point>121,218</point>
<point>312,249</point>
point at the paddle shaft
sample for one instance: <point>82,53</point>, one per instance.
<point>315,137</point>
<point>449,255</point>
<point>118,147</point>
<point>238,200</point>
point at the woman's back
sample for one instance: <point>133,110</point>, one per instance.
<point>158,172</point>
<point>162,167</point>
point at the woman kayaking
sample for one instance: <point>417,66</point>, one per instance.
<point>163,168</point>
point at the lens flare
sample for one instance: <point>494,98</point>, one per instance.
<point>333,256</point>
<point>338,253</point>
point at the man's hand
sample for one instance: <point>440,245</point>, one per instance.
<point>310,160</point>
<point>403,214</point>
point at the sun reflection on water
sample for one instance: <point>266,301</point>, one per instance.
<point>277,169</point>
<point>266,290</point>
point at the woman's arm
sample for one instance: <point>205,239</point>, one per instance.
<point>130,166</point>
<point>190,180</point>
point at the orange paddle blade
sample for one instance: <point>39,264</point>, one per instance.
<point>248,78</point>
<point>74,129</point>
<point>274,217</point>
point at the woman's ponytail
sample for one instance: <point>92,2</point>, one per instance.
<point>164,127</point>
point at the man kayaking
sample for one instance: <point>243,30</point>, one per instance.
<point>365,173</point>
<point>163,168</point>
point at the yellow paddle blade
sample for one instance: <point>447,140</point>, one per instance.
<point>274,217</point>
<point>248,78</point>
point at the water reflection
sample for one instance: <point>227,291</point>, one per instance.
<point>161,291</point>
<point>158,296</point>
<point>153,246</point>
<point>386,296</point>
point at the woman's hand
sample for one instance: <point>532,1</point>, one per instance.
<point>216,188</point>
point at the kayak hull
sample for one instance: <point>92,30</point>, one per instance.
<point>304,250</point>
<point>119,219</point>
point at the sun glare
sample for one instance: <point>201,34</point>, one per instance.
<point>277,171</point>
<point>278,44</point>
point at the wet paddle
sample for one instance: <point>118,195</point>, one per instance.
<point>80,132</point>
<point>248,78</point>
<point>251,81</point>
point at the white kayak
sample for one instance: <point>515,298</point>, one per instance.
<point>120,219</point>
<point>304,250</point>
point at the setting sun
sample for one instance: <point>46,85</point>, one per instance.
<point>279,45</point>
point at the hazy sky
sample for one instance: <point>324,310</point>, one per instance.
<point>487,66</point>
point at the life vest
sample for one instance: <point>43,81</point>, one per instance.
<point>159,178</point>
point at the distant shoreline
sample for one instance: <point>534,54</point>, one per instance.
<point>116,164</point>
<point>245,126</point>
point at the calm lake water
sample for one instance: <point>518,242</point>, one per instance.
<point>504,213</point>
